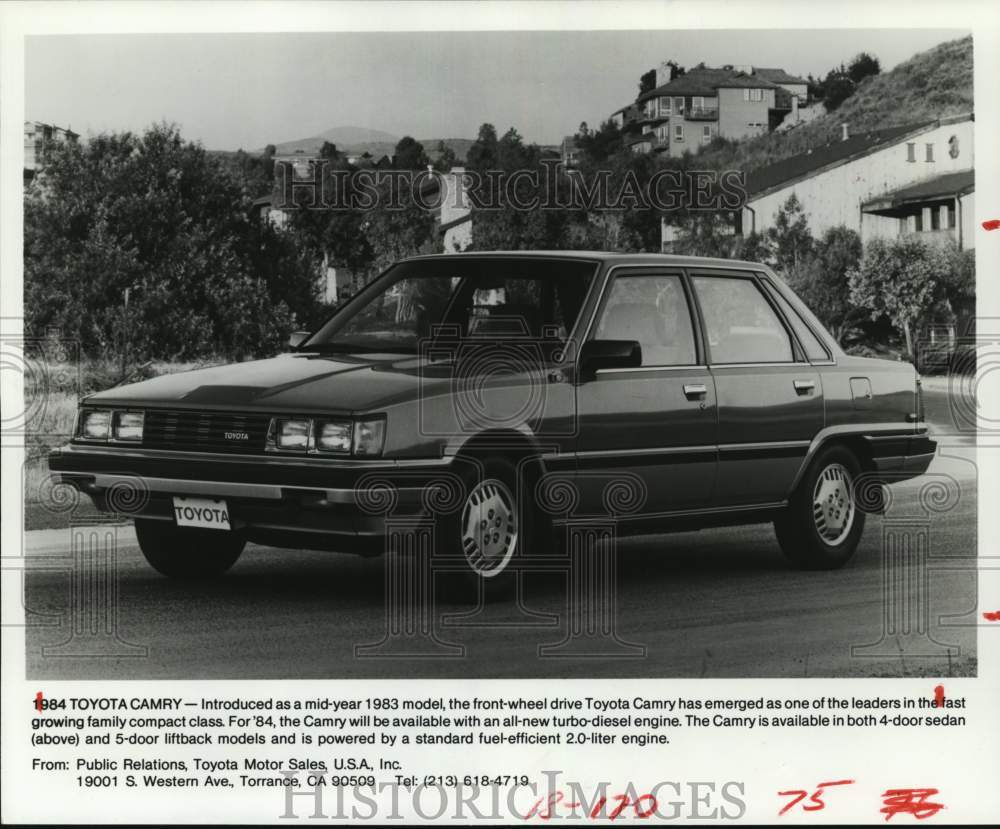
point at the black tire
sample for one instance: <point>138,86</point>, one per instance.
<point>465,574</point>
<point>822,525</point>
<point>187,553</point>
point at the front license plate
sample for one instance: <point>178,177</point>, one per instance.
<point>207,513</point>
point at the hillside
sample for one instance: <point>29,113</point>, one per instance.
<point>932,84</point>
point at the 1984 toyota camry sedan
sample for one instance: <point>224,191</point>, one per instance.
<point>454,389</point>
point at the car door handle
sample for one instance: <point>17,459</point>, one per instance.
<point>804,386</point>
<point>692,391</point>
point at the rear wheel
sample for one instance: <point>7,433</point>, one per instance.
<point>187,553</point>
<point>822,525</point>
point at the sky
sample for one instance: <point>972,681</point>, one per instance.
<point>233,91</point>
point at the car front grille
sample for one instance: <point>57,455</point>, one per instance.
<point>205,431</point>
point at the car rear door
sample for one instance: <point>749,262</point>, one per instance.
<point>656,421</point>
<point>769,396</point>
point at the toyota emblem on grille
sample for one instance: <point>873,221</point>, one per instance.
<point>236,436</point>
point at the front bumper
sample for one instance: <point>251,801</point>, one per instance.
<point>303,502</point>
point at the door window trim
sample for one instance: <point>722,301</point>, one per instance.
<point>700,361</point>
<point>798,353</point>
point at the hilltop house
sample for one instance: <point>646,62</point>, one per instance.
<point>568,152</point>
<point>790,83</point>
<point>910,179</point>
<point>38,139</point>
<point>686,112</point>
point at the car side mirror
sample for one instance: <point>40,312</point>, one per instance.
<point>598,354</point>
<point>296,338</point>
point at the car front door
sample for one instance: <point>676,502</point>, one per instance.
<point>655,422</point>
<point>770,398</point>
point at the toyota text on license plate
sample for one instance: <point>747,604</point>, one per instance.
<point>207,513</point>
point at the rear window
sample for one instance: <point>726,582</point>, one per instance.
<point>814,348</point>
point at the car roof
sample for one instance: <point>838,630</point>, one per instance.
<point>599,256</point>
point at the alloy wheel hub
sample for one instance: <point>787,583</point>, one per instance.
<point>489,527</point>
<point>833,504</point>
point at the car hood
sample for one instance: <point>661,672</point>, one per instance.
<point>292,382</point>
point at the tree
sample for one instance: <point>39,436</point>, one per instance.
<point>790,235</point>
<point>396,234</point>
<point>901,280</point>
<point>705,233</point>
<point>329,151</point>
<point>821,281</point>
<point>447,158</point>
<point>862,66</point>
<point>158,216</point>
<point>959,280</point>
<point>597,146</point>
<point>410,155</point>
<point>509,228</point>
<point>815,88</point>
<point>753,247</point>
<point>255,173</point>
<point>513,154</point>
<point>647,82</point>
<point>837,88</point>
<point>269,153</point>
<point>482,154</point>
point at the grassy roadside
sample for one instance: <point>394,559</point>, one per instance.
<point>52,405</point>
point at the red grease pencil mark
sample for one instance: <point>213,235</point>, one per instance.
<point>938,696</point>
<point>38,701</point>
<point>991,224</point>
<point>915,802</point>
<point>992,615</point>
<point>815,801</point>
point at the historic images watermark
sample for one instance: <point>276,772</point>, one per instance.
<point>475,798</point>
<point>317,186</point>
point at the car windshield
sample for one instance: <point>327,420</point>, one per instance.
<point>419,302</point>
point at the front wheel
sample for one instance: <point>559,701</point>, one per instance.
<point>822,524</point>
<point>187,553</point>
<point>482,539</point>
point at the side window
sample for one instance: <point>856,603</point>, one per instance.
<point>815,350</point>
<point>654,311</point>
<point>740,324</point>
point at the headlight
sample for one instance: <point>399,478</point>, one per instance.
<point>333,436</point>
<point>364,438</point>
<point>369,436</point>
<point>127,425</point>
<point>293,435</point>
<point>95,424</point>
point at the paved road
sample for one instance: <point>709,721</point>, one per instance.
<point>718,603</point>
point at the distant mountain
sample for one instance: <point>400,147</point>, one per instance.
<point>343,137</point>
<point>361,140</point>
